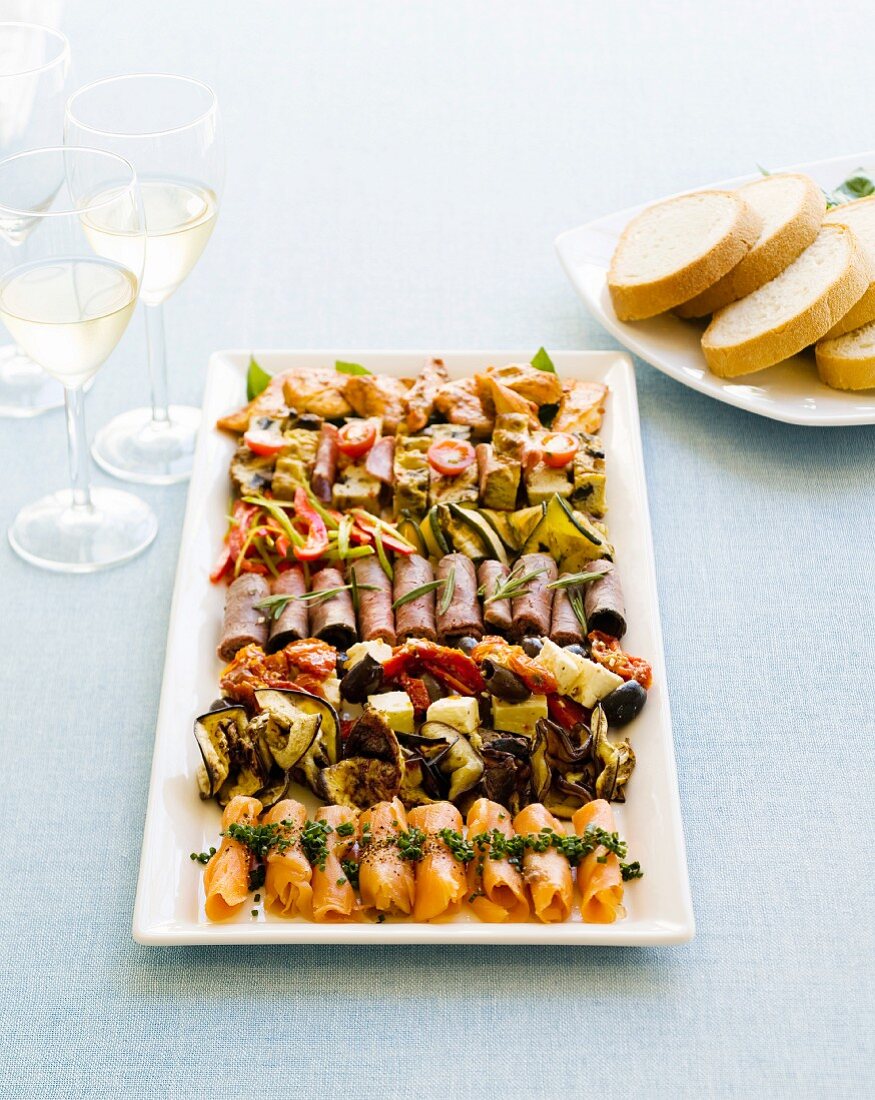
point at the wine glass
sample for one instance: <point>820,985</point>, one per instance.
<point>67,305</point>
<point>34,73</point>
<point>168,127</point>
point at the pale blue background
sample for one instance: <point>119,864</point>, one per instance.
<point>396,175</point>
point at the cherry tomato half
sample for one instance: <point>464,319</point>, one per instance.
<point>357,437</point>
<point>263,442</point>
<point>559,448</point>
<point>450,457</point>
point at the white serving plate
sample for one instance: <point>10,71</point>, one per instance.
<point>790,391</point>
<point>169,905</point>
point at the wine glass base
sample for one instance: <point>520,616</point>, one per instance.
<point>134,447</point>
<point>25,389</point>
<point>53,534</point>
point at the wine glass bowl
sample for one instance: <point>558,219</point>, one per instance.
<point>67,305</point>
<point>168,127</point>
<point>34,72</point>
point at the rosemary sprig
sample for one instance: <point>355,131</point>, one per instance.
<point>276,605</point>
<point>449,589</point>
<point>576,601</point>
<point>577,578</point>
<point>415,593</point>
<point>514,585</point>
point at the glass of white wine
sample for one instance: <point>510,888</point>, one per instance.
<point>67,305</point>
<point>34,78</point>
<point>168,127</point>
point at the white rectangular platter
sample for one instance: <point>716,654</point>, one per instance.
<point>790,391</point>
<point>169,905</point>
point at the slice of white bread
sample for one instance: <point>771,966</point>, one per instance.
<point>793,310</point>
<point>791,207</point>
<point>860,216</point>
<point>675,249</point>
<point>848,362</point>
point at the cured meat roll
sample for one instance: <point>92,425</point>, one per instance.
<point>325,467</point>
<point>603,601</point>
<point>532,612</point>
<point>376,617</point>
<point>462,617</point>
<point>496,613</point>
<point>440,877</point>
<point>333,618</point>
<point>333,895</point>
<point>565,627</point>
<point>287,873</point>
<point>547,873</point>
<point>243,623</point>
<point>495,885</point>
<point>416,618</point>
<point>386,881</point>
<point>600,884</point>
<point>226,878</point>
<point>291,625</point>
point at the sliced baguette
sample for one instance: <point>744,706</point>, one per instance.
<point>848,362</point>
<point>791,207</point>
<point>860,216</point>
<point>793,310</point>
<point>675,249</point>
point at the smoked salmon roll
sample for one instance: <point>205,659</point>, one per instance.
<point>386,880</point>
<point>547,873</point>
<point>600,884</point>
<point>333,895</point>
<point>287,872</point>
<point>440,877</point>
<point>226,878</point>
<point>496,887</point>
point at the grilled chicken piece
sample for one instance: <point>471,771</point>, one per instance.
<point>379,395</point>
<point>270,402</point>
<point>539,386</point>
<point>582,407</point>
<point>317,391</point>
<point>460,403</point>
<point>505,400</point>
<point>420,399</point>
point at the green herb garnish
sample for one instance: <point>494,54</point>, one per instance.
<point>257,379</point>
<point>576,601</point>
<point>262,839</point>
<point>461,849</point>
<point>200,857</point>
<point>542,361</point>
<point>410,844</point>
<point>858,186</point>
<point>351,870</point>
<point>277,604</point>
<point>449,589</point>
<point>314,842</point>
<point>577,578</point>
<point>350,368</point>
<point>415,593</point>
<point>514,584</point>
<point>631,870</point>
<point>345,829</point>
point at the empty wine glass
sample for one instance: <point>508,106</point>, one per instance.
<point>67,305</point>
<point>34,74</point>
<point>168,127</point>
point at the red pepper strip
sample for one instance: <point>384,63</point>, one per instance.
<point>250,566</point>
<point>565,712</point>
<point>537,680</point>
<point>416,691</point>
<point>451,661</point>
<point>242,516</point>
<point>282,546</point>
<point>222,566</point>
<point>317,533</point>
<point>369,524</point>
<point>441,674</point>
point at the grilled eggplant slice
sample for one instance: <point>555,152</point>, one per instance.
<point>287,729</point>
<point>325,748</point>
<point>461,764</point>
<point>372,767</point>
<point>616,761</point>
<point>215,733</point>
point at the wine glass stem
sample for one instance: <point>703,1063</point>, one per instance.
<point>77,446</point>
<point>157,363</point>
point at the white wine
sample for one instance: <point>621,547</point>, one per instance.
<point>68,315</point>
<point>179,220</point>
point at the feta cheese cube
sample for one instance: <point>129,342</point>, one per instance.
<point>380,651</point>
<point>396,708</point>
<point>562,664</point>
<point>594,683</point>
<point>519,717</point>
<point>459,711</point>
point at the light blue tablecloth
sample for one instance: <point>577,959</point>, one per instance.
<point>396,174</point>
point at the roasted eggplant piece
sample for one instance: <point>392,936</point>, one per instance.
<point>567,794</point>
<point>216,732</point>
<point>325,747</point>
<point>372,767</point>
<point>515,744</point>
<point>287,729</point>
<point>560,747</point>
<point>461,764</point>
<point>541,777</point>
<point>363,679</point>
<point>617,760</point>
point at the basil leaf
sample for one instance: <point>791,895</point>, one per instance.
<point>542,361</point>
<point>858,186</point>
<point>257,379</point>
<point>350,368</point>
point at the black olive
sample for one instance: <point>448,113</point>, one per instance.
<point>532,646</point>
<point>340,665</point>
<point>624,703</point>
<point>434,689</point>
<point>465,643</point>
<point>363,679</point>
<point>577,648</point>
<point>503,683</point>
